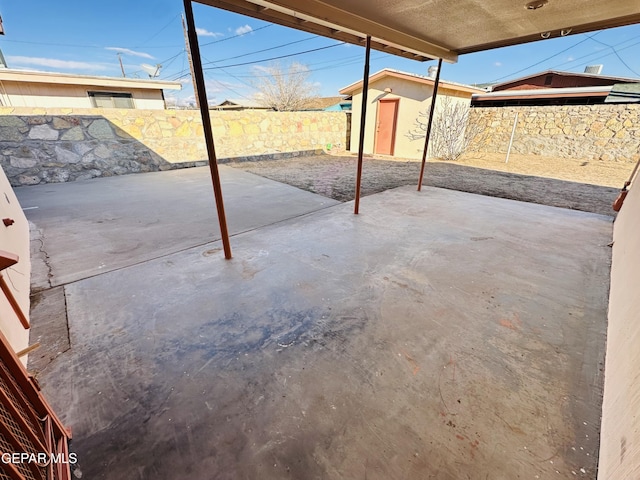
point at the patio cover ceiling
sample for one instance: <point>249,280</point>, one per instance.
<point>428,29</point>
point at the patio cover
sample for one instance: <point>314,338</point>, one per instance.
<point>417,29</point>
<point>425,30</point>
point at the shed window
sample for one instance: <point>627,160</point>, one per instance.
<point>111,99</point>
<point>548,79</point>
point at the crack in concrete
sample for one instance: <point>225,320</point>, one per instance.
<point>50,324</point>
<point>37,235</point>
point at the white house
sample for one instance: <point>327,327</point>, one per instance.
<point>21,88</point>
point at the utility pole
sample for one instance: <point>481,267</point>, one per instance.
<point>121,66</point>
<point>193,76</point>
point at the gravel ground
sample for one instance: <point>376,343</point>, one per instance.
<point>589,186</point>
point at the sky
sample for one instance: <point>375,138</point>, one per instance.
<point>89,37</point>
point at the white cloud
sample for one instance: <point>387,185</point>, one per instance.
<point>55,63</point>
<point>243,29</point>
<point>497,64</point>
<point>235,86</point>
<point>203,32</point>
<point>570,59</point>
<point>127,51</point>
<point>262,69</point>
<point>174,101</point>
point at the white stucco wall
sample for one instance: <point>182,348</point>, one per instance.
<point>413,98</point>
<point>25,94</point>
<point>14,239</point>
<point>620,431</point>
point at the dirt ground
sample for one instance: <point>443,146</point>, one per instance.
<point>590,186</point>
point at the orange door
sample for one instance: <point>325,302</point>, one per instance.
<point>386,126</point>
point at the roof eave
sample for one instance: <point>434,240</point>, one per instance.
<point>86,80</point>
<point>409,77</point>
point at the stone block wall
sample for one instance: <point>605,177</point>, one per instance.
<point>59,145</point>
<point>591,132</point>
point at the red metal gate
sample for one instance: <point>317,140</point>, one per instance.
<point>33,442</point>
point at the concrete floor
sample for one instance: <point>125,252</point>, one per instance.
<point>116,222</point>
<point>438,335</point>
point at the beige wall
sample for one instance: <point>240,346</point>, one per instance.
<point>40,145</point>
<point>14,239</point>
<point>25,94</point>
<point>608,132</point>
<point>413,98</point>
<point>620,431</point>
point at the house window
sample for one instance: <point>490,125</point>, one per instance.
<point>111,99</point>
<point>548,79</point>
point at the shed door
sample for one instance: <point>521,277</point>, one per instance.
<point>386,126</point>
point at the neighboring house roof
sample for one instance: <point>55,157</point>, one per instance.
<point>31,76</point>
<point>624,93</point>
<point>239,104</point>
<point>412,77</point>
<point>579,79</point>
<point>599,91</point>
<point>344,106</point>
<point>320,103</point>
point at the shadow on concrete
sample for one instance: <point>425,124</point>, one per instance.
<point>525,188</point>
<point>41,149</point>
<point>334,177</point>
<point>60,148</point>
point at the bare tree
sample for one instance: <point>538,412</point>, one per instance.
<point>451,132</point>
<point>284,90</point>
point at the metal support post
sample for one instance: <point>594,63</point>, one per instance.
<point>206,124</point>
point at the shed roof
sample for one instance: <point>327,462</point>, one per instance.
<point>412,77</point>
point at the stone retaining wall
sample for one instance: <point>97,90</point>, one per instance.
<point>59,145</point>
<point>590,132</point>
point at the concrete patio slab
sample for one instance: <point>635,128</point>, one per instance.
<point>109,223</point>
<point>437,335</point>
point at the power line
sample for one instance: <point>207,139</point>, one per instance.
<point>171,60</point>
<point>617,55</point>
<point>275,58</point>
<point>548,58</point>
<point>260,51</point>
<point>231,75</point>
<point>181,75</point>
<point>72,45</point>
<point>599,56</point>
<point>230,89</point>
<point>350,60</point>
<point>345,62</point>
<point>235,36</point>
<point>158,32</point>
